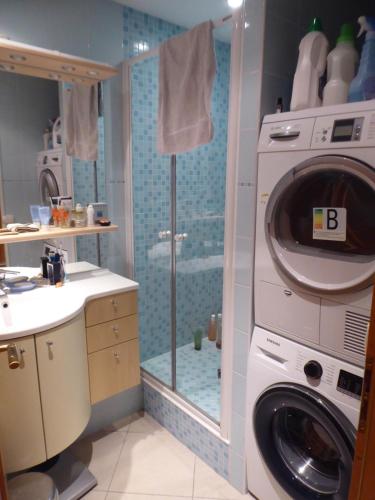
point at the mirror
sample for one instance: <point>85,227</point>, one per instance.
<point>33,164</point>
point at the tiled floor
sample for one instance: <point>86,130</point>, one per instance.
<point>137,459</point>
<point>197,378</point>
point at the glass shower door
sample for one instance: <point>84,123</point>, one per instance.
<point>151,216</point>
<point>200,204</point>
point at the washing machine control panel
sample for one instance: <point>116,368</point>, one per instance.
<point>350,384</point>
<point>349,130</point>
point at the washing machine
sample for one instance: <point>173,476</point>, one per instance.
<point>302,413</point>
<point>50,174</point>
<point>315,227</point>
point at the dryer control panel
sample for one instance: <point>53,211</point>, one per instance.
<point>349,130</point>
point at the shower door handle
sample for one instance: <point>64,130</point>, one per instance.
<point>163,235</point>
<point>181,236</point>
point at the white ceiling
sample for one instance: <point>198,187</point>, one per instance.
<point>186,13</point>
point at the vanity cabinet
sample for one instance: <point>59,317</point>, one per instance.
<point>21,424</point>
<point>45,403</point>
<point>64,385</point>
<point>112,344</point>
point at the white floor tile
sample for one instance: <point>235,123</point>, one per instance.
<point>95,495</point>
<point>131,496</point>
<point>154,464</point>
<point>145,424</point>
<point>100,452</point>
<point>208,484</point>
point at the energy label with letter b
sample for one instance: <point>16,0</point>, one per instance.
<point>329,223</point>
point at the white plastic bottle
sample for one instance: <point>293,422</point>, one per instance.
<point>342,62</point>
<point>90,213</point>
<point>311,64</point>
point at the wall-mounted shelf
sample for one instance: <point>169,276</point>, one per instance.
<point>25,59</point>
<point>55,233</point>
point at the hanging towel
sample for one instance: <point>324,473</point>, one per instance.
<point>82,122</point>
<point>186,74</point>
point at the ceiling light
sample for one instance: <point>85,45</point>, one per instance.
<point>234,4</point>
<point>92,73</point>
<point>66,67</point>
<point>7,67</point>
<point>54,76</point>
<point>17,57</point>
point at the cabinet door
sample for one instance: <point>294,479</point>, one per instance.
<point>64,385</point>
<point>21,428</point>
<point>113,370</point>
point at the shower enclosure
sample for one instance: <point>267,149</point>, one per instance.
<point>178,238</point>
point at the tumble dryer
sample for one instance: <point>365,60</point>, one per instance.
<point>50,174</point>
<point>303,409</point>
<point>315,233</point>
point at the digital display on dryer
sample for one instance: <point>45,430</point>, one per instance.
<point>350,384</point>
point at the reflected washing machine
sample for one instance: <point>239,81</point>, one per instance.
<point>315,229</point>
<point>50,174</point>
<point>303,408</point>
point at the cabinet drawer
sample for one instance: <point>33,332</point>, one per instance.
<point>113,370</point>
<point>111,307</point>
<point>111,333</point>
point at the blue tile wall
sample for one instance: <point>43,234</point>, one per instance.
<point>200,200</point>
<point>197,438</point>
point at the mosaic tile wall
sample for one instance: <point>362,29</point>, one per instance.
<point>197,438</point>
<point>200,201</point>
<point>84,193</point>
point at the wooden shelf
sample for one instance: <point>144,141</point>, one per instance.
<point>54,233</point>
<point>30,60</point>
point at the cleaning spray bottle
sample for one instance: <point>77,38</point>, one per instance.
<point>341,66</point>
<point>362,87</point>
<point>311,64</point>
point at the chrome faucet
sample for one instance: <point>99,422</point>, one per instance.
<point>3,288</point>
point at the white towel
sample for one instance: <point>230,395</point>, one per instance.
<point>82,122</point>
<point>186,74</point>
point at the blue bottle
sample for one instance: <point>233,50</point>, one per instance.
<point>362,87</point>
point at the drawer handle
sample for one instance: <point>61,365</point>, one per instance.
<point>49,343</point>
<point>116,355</point>
<point>288,293</point>
<point>115,329</point>
<point>114,302</point>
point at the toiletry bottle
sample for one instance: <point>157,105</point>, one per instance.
<point>341,65</point>
<point>90,212</point>
<point>212,328</point>
<point>219,328</point>
<point>279,105</point>
<point>362,87</point>
<point>311,64</point>
<point>198,335</point>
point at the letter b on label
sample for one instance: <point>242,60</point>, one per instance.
<point>332,222</point>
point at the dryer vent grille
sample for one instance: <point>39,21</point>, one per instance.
<point>356,326</point>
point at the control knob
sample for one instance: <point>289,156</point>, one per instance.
<point>313,370</point>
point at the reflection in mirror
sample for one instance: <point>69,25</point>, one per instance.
<point>33,165</point>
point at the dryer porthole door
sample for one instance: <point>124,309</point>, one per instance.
<point>48,186</point>
<point>305,441</point>
<point>320,224</point>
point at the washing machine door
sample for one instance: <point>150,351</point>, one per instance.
<point>320,224</point>
<point>306,442</point>
<point>48,186</point>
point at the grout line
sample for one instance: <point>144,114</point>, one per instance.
<point>195,461</point>
<point>118,459</point>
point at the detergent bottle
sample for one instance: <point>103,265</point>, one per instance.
<point>311,64</point>
<point>341,66</point>
<point>362,87</point>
